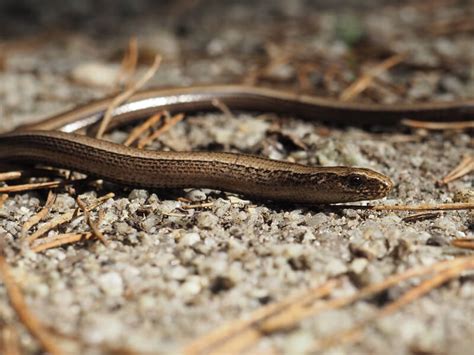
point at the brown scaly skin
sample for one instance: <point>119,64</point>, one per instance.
<point>244,174</point>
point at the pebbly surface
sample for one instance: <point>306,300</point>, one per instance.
<point>171,274</point>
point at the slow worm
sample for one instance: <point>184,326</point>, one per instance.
<point>54,142</point>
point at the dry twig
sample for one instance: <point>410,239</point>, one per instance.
<point>3,198</point>
<point>410,296</point>
<point>238,335</point>
<point>21,308</point>
<point>219,104</point>
<point>94,227</point>
<point>40,185</point>
<point>15,172</point>
<point>465,167</point>
<point>129,63</point>
<point>62,239</point>
<point>124,96</point>
<point>450,272</point>
<point>366,79</point>
<point>139,130</point>
<point>57,221</point>
<point>97,202</point>
<point>275,324</point>
<point>9,342</point>
<point>32,186</point>
<point>166,127</point>
<point>66,217</point>
<point>465,243</point>
<point>438,126</point>
<point>40,215</point>
<point>10,175</point>
<point>292,310</point>
<point>198,205</point>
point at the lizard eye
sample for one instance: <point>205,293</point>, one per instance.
<point>354,181</point>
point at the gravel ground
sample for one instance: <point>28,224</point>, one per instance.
<point>171,274</point>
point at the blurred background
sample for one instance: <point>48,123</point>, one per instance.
<point>24,16</point>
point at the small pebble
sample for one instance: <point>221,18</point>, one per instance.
<point>111,283</point>
<point>189,239</point>
<point>96,74</point>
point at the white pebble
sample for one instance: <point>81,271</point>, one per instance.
<point>207,220</point>
<point>299,343</point>
<point>150,223</point>
<point>111,283</point>
<point>196,195</point>
<point>178,273</point>
<point>100,328</point>
<point>122,228</point>
<point>190,239</point>
<point>96,74</point>
<point>138,194</point>
<point>336,267</point>
<point>358,265</point>
<point>192,286</point>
